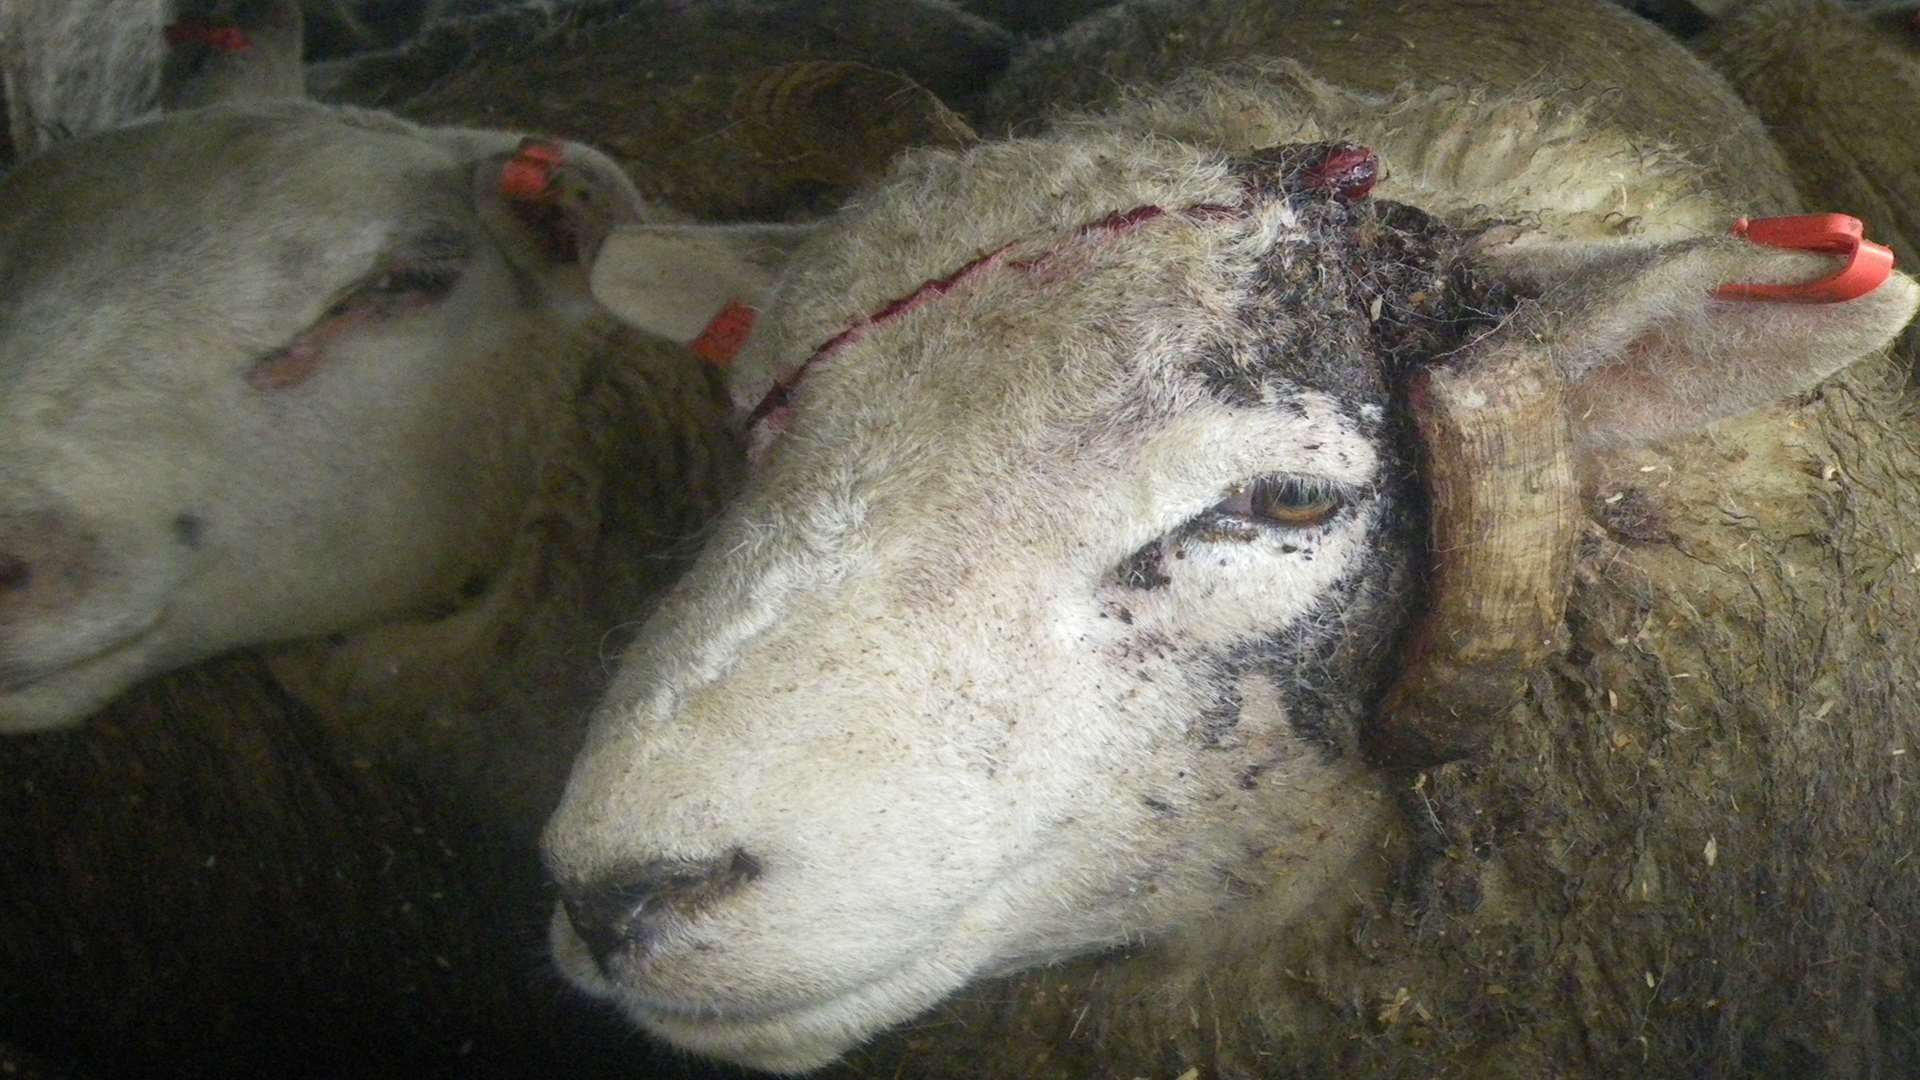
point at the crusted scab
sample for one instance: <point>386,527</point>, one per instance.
<point>1148,568</point>
<point>1145,569</point>
<point>1366,293</point>
<point>1218,529</point>
<point>1336,170</point>
<point>1432,301</point>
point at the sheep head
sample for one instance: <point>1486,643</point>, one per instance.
<point>270,372</point>
<point>1087,548</point>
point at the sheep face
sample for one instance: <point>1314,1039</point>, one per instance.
<point>264,374</point>
<point>1086,536</point>
<point>1049,620</point>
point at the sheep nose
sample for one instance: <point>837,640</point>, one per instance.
<point>15,574</point>
<point>46,562</point>
<point>633,906</point>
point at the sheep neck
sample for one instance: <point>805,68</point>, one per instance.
<point>642,459</point>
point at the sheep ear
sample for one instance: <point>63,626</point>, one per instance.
<point>254,57</point>
<point>553,204</point>
<point>672,279</point>
<point>1622,348</point>
<point>1649,347</point>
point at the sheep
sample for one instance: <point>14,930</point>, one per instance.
<point>651,82</point>
<point>654,84</point>
<point>337,402</point>
<point>59,695</point>
<point>314,856</point>
<point>246,518</point>
<point>1283,575</point>
<point>373,785</point>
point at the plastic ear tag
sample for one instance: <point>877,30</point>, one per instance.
<point>725,335</point>
<point>1868,264</point>
<point>528,176</point>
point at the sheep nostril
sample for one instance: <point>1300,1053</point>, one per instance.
<point>632,906</point>
<point>14,572</point>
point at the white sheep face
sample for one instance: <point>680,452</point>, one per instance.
<point>264,374</point>
<point>990,665</point>
<point>999,660</point>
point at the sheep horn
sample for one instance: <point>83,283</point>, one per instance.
<point>1497,457</point>
<point>797,116</point>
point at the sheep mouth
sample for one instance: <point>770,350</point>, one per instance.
<point>796,1037</point>
<point>793,1036</point>
<point>623,985</point>
<point>687,1013</point>
<point>17,675</point>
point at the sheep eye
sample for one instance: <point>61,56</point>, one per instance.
<point>430,282</point>
<point>397,290</point>
<point>402,288</point>
<point>1292,502</point>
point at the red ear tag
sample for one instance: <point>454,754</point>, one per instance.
<point>530,173</point>
<point>726,335</point>
<point>226,39</point>
<point>1868,264</point>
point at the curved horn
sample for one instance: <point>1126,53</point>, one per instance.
<point>1498,465</point>
<point>807,117</point>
